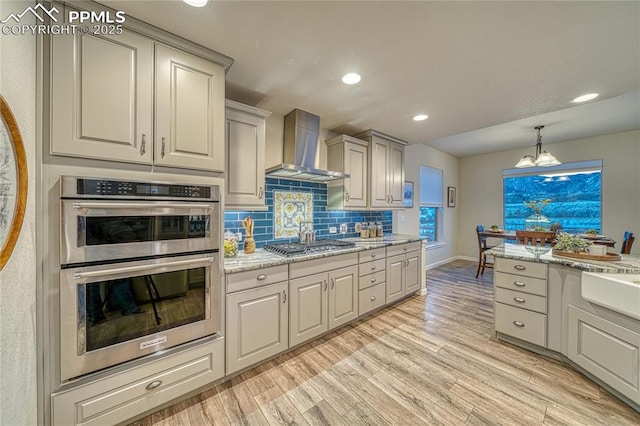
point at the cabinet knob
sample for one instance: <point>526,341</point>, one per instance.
<point>519,299</point>
<point>333,283</point>
<point>154,384</point>
<point>373,255</point>
<point>519,283</point>
<point>325,285</point>
<point>373,298</point>
<point>373,280</point>
<point>518,324</point>
<point>261,277</point>
<point>373,266</point>
<point>520,267</point>
<point>284,296</point>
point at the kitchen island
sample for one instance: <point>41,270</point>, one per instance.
<point>541,304</point>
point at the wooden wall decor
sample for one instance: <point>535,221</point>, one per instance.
<point>13,181</point>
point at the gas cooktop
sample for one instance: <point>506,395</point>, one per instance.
<point>319,246</point>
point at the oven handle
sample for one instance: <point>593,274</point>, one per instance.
<point>96,205</point>
<point>127,269</point>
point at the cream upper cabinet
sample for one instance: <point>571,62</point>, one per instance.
<point>386,169</point>
<point>102,96</point>
<point>245,153</point>
<point>189,111</point>
<point>107,92</point>
<point>348,155</point>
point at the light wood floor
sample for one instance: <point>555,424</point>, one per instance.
<point>428,360</point>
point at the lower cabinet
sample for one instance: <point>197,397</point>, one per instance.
<point>403,274</point>
<point>607,350</point>
<point>257,325</point>
<point>137,390</point>
<point>321,302</point>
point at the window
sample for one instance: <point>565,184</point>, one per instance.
<point>574,189</point>
<point>430,203</point>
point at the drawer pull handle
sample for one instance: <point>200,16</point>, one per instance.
<point>262,277</point>
<point>373,280</point>
<point>520,267</point>
<point>284,296</point>
<point>519,283</point>
<point>325,284</point>
<point>333,283</point>
<point>519,299</point>
<point>373,255</point>
<point>373,298</point>
<point>373,266</point>
<point>404,248</point>
<point>154,384</point>
<point>518,324</point>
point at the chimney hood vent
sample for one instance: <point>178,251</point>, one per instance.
<point>300,147</point>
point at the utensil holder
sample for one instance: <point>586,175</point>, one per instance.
<point>249,244</point>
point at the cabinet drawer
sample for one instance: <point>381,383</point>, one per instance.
<point>372,267</point>
<point>520,323</point>
<point>256,278</point>
<point>372,279</point>
<point>522,267</point>
<point>369,255</point>
<point>518,282</point>
<point>521,300</point>
<point>403,248</point>
<point>371,298</point>
<point>323,264</point>
<point>132,392</point>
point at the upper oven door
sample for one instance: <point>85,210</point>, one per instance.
<point>103,230</point>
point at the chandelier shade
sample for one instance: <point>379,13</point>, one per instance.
<point>541,159</point>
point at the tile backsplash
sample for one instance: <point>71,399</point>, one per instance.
<point>323,219</point>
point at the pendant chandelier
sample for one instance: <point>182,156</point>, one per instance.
<point>542,158</point>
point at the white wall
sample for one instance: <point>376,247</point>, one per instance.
<point>415,156</point>
<point>480,191</point>
<point>18,372</point>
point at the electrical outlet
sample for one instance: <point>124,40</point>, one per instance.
<point>239,235</point>
<point>403,218</point>
<point>343,228</point>
<point>332,230</point>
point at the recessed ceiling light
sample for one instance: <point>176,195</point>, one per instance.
<point>420,117</point>
<point>351,78</point>
<point>196,3</point>
<point>585,98</point>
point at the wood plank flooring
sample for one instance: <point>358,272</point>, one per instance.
<point>427,360</point>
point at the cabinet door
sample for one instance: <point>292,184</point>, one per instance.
<point>412,272</point>
<point>102,97</point>
<point>189,111</point>
<point>395,175</point>
<point>606,350</point>
<point>355,157</point>
<point>343,296</point>
<point>395,285</point>
<point>307,308</point>
<point>378,173</point>
<point>257,325</point>
<point>245,160</point>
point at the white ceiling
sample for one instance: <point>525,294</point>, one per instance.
<point>486,73</point>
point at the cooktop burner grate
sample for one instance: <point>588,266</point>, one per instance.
<point>319,246</point>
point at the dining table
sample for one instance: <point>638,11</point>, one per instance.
<point>511,235</point>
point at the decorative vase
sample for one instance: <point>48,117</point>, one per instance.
<point>537,222</point>
<point>249,244</point>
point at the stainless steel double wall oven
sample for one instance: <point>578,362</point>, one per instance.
<point>139,269</point>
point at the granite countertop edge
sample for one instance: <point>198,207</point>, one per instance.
<point>264,259</point>
<point>627,264</point>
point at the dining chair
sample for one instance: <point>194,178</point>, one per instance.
<point>627,242</point>
<point>482,249</point>
<point>535,238</point>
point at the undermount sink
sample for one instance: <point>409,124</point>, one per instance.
<point>618,292</point>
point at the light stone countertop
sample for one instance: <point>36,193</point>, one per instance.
<point>627,265</point>
<point>263,259</point>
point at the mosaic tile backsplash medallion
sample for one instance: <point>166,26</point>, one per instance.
<point>323,219</point>
<point>290,208</point>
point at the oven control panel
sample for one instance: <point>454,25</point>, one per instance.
<point>110,188</point>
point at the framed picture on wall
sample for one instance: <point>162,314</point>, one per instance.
<point>408,194</point>
<point>451,196</point>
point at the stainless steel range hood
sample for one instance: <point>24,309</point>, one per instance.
<point>301,132</point>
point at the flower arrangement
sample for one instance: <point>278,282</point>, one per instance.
<point>570,243</point>
<point>538,205</point>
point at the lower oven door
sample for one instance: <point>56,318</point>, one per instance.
<point>114,313</point>
<point>110,230</point>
